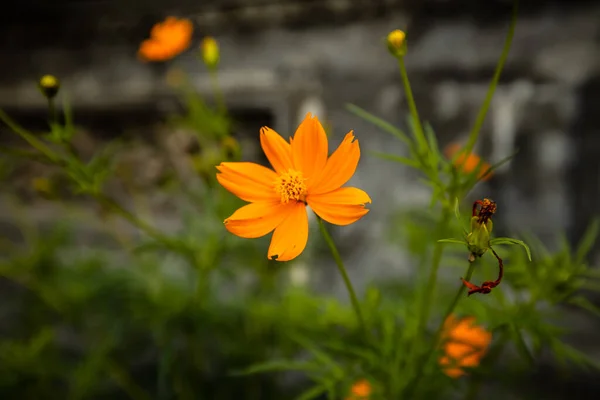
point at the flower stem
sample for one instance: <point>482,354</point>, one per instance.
<point>473,135</point>
<point>30,138</point>
<point>438,334</point>
<point>340,264</point>
<point>219,98</point>
<point>418,128</point>
<point>433,272</point>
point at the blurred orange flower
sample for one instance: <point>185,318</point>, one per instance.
<point>469,163</point>
<point>167,39</point>
<point>303,175</point>
<point>464,344</point>
<point>361,390</point>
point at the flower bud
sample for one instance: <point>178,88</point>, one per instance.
<point>479,238</point>
<point>210,52</point>
<point>49,86</point>
<point>396,42</point>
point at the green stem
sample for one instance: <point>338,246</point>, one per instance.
<point>29,138</point>
<point>433,272</point>
<point>344,273</point>
<point>474,134</point>
<point>116,207</point>
<point>420,133</point>
<point>122,377</point>
<point>438,334</point>
<point>52,111</point>
<point>219,97</point>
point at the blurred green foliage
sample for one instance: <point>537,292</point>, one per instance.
<point>197,313</point>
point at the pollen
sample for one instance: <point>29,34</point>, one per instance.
<point>291,186</point>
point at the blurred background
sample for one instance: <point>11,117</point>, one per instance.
<point>281,59</point>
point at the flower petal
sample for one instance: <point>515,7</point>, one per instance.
<point>340,207</point>
<point>257,219</point>
<point>291,236</point>
<point>248,181</point>
<point>277,150</point>
<point>340,166</point>
<point>310,149</point>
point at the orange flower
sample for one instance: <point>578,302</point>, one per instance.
<point>469,163</point>
<point>361,390</point>
<point>464,345</point>
<point>303,175</point>
<point>167,39</point>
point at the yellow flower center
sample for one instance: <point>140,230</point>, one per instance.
<point>290,186</point>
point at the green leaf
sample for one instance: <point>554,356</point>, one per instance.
<point>455,241</point>
<point>588,240</point>
<point>473,176</point>
<point>391,157</point>
<point>319,355</point>
<point>457,209</point>
<point>564,352</point>
<point>274,366</point>
<point>522,345</point>
<point>585,304</point>
<point>435,157</point>
<point>511,241</point>
<point>503,161</point>
<point>313,392</point>
<point>380,123</point>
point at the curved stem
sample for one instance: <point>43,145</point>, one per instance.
<point>340,264</point>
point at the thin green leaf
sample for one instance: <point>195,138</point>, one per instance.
<point>564,351</point>
<point>473,176</point>
<point>511,241</point>
<point>319,355</point>
<point>380,123</point>
<point>391,157</point>
<point>585,304</point>
<point>274,366</point>
<point>522,345</point>
<point>313,392</point>
<point>455,241</point>
<point>503,161</point>
<point>351,351</point>
<point>435,157</point>
<point>457,209</point>
<point>588,240</point>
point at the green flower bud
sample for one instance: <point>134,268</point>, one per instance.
<point>478,241</point>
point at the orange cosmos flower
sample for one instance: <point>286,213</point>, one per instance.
<point>303,175</point>
<point>167,39</point>
<point>468,163</point>
<point>361,390</point>
<point>464,345</point>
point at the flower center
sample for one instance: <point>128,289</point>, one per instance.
<point>290,186</point>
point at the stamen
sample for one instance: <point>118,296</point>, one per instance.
<point>290,186</point>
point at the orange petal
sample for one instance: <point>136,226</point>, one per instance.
<point>340,207</point>
<point>291,236</point>
<point>277,150</point>
<point>340,166</point>
<point>309,149</point>
<point>248,181</point>
<point>257,219</point>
